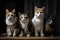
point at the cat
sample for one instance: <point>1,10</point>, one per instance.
<point>49,28</point>
<point>26,27</point>
<point>11,22</point>
<point>37,21</point>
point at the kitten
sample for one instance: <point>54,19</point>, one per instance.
<point>11,22</point>
<point>24,21</point>
<point>49,25</point>
<point>37,20</point>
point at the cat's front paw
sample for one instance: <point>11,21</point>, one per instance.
<point>14,35</point>
<point>36,35</point>
<point>9,34</point>
<point>28,35</point>
<point>42,35</point>
<point>21,35</point>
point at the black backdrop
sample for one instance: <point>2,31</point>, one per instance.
<point>52,8</point>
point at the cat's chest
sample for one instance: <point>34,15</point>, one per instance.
<point>36,21</point>
<point>24,25</point>
<point>8,22</point>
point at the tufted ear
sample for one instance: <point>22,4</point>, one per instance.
<point>7,11</point>
<point>13,10</point>
<point>43,8</point>
<point>35,7</point>
<point>19,13</point>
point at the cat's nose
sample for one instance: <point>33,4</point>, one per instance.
<point>41,14</point>
<point>24,19</point>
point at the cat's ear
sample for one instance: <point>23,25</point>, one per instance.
<point>35,7</point>
<point>7,11</point>
<point>19,13</point>
<point>13,10</point>
<point>43,8</point>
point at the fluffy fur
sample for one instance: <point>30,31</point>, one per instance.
<point>38,20</point>
<point>24,21</point>
<point>11,20</point>
<point>49,28</point>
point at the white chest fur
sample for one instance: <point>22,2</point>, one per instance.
<point>38,25</point>
<point>8,22</point>
<point>37,21</point>
<point>11,23</point>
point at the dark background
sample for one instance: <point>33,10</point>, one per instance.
<point>52,8</point>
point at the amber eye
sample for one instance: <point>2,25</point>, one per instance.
<point>41,12</point>
<point>26,18</point>
<point>37,12</point>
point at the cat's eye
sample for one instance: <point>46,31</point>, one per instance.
<point>25,17</point>
<point>41,12</point>
<point>37,12</point>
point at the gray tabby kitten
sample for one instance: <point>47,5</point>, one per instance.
<point>11,20</point>
<point>24,21</point>
<point>37,21</point>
